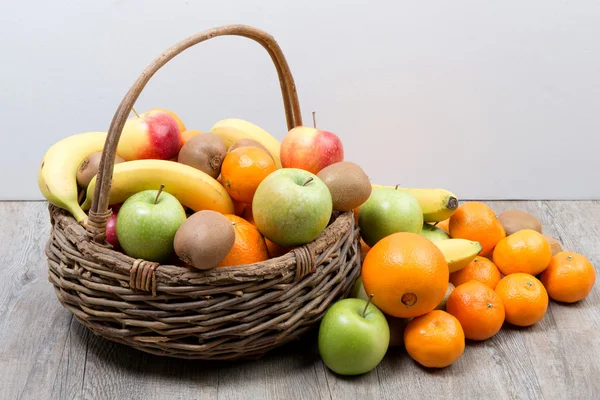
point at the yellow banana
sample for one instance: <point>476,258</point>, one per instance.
<point>437,204</point>
<point>192,187</point>
<point>233,129</point>
<point>458,252</point>
<point>57,176</point>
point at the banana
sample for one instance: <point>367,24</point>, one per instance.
<point>57,174</point>
<point>458,252</point>
<point>437,204</point>
<point>233,129</point>
<point>192,187</point>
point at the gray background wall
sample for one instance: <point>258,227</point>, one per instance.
<point>488,99</point>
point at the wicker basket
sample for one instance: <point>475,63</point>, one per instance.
<point>223,313</point>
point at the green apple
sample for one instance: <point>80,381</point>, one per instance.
<point>434,233</point>
<point>353,337</point>
<point>389,211</point>
<point>147,224</point>
<point>291,207</point>
<point>358,290</point>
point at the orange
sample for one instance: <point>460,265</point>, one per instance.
<point>524,251</point>
<point>478,308</point>
<point>569,277</point>
<point>524,297</point>
<point>243,169</point>
<point>480,269</point>
<point>434,340</point>
<point>444,225</point>
<point>248,216</point>
<point>477,221</point>
<point>187,135</point>
<point>249,246</point>
<point>364,250</point>
<point>276,250</point>
<point>356,215</point>
<point>239,209</point>
<point>406,273</point>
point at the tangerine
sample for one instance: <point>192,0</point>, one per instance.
<point>249,245</point>
<point>524,251</point>
<point>480,269</point>
<point>524,297</point>
<point>243,169</point>
<point>476,221</point>
<point>569,277</point>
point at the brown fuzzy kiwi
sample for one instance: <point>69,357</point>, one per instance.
<point>554,245</point>
<point>348,184</point>
<point>517,220</point>
<point>204,239</point>
<point>247,142</point>
<point>204,152</point>
<point>89,168</point>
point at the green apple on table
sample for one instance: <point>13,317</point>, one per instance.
<point>147,224</point>
<point>353,337</point>
<point>291,207</point>
<point>389,211</point>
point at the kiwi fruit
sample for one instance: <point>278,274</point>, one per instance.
<point>204,239</point>
<point>204,152</point>
<point>517,220</point>
<point>89,168</point>
<point>554,245</point>
<point>247,142</point>
<point>348,184</point>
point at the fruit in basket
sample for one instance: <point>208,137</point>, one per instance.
<point>478,309</point>
<point>480,269</point>
<point>349,185</point>
<point>249,246</point>
<point>111,228</point>
<point>434,340</point>
<point>353,337</point>
<point>180,123</point>
<point>204,152</point>
<point>477,221</point>
<point>524,251</point>
<point>458,252</point>
<point>204,239</point>
<point>291,207</point>
<point>151,135</point>
<point>437,204</point>
<point>310,149</point>
<point>569,278</point>
<point>233,129</point>
<point>406,273</point>
<point>524,298</point>
<point>193,188</point>
<point>57,176</point>
<point>248,143</point>
<point>243,170</point>
<point>187,135</point>
<point>147,224</point>
<point>89,168</point>
<point>433,233</point>
<point>516,220</point>
<point>388,211</point>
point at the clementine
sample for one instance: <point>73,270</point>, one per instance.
<point>476,221</point>
<point>524,297</point>
<point>249,245</point>
<point>364,250</point>
<point>444,225</point>
<point>276,250</point>
<point>434,340</point>
<point>524,251</point>
<point>569,277</point>
<point>243,169</point>
<point>406,273</point>
<point>478,309</point>
<point>480,269</point>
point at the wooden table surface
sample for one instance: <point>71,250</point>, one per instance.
<point>46,354</point>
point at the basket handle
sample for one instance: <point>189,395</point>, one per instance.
<point>99,213</point>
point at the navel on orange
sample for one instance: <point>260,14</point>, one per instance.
<point>407,275</point>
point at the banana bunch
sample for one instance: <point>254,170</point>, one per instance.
<point>233,129</point>
<point>437,204</point>
<point>192,187</point>
<point>58,171</point>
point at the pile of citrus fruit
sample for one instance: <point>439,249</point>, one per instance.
<point>432,311</point>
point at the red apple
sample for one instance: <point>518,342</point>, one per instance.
<point>310,149</point>
<point>154,134</point>
<point>111,227</point>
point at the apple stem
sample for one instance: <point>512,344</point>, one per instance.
<point>314,114</point>
<point>437,222</point>
<point>135,112</point>
<point>367,306</point>
<point>397,186</point>
<point>309,180</point>
<point>160,189</point>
